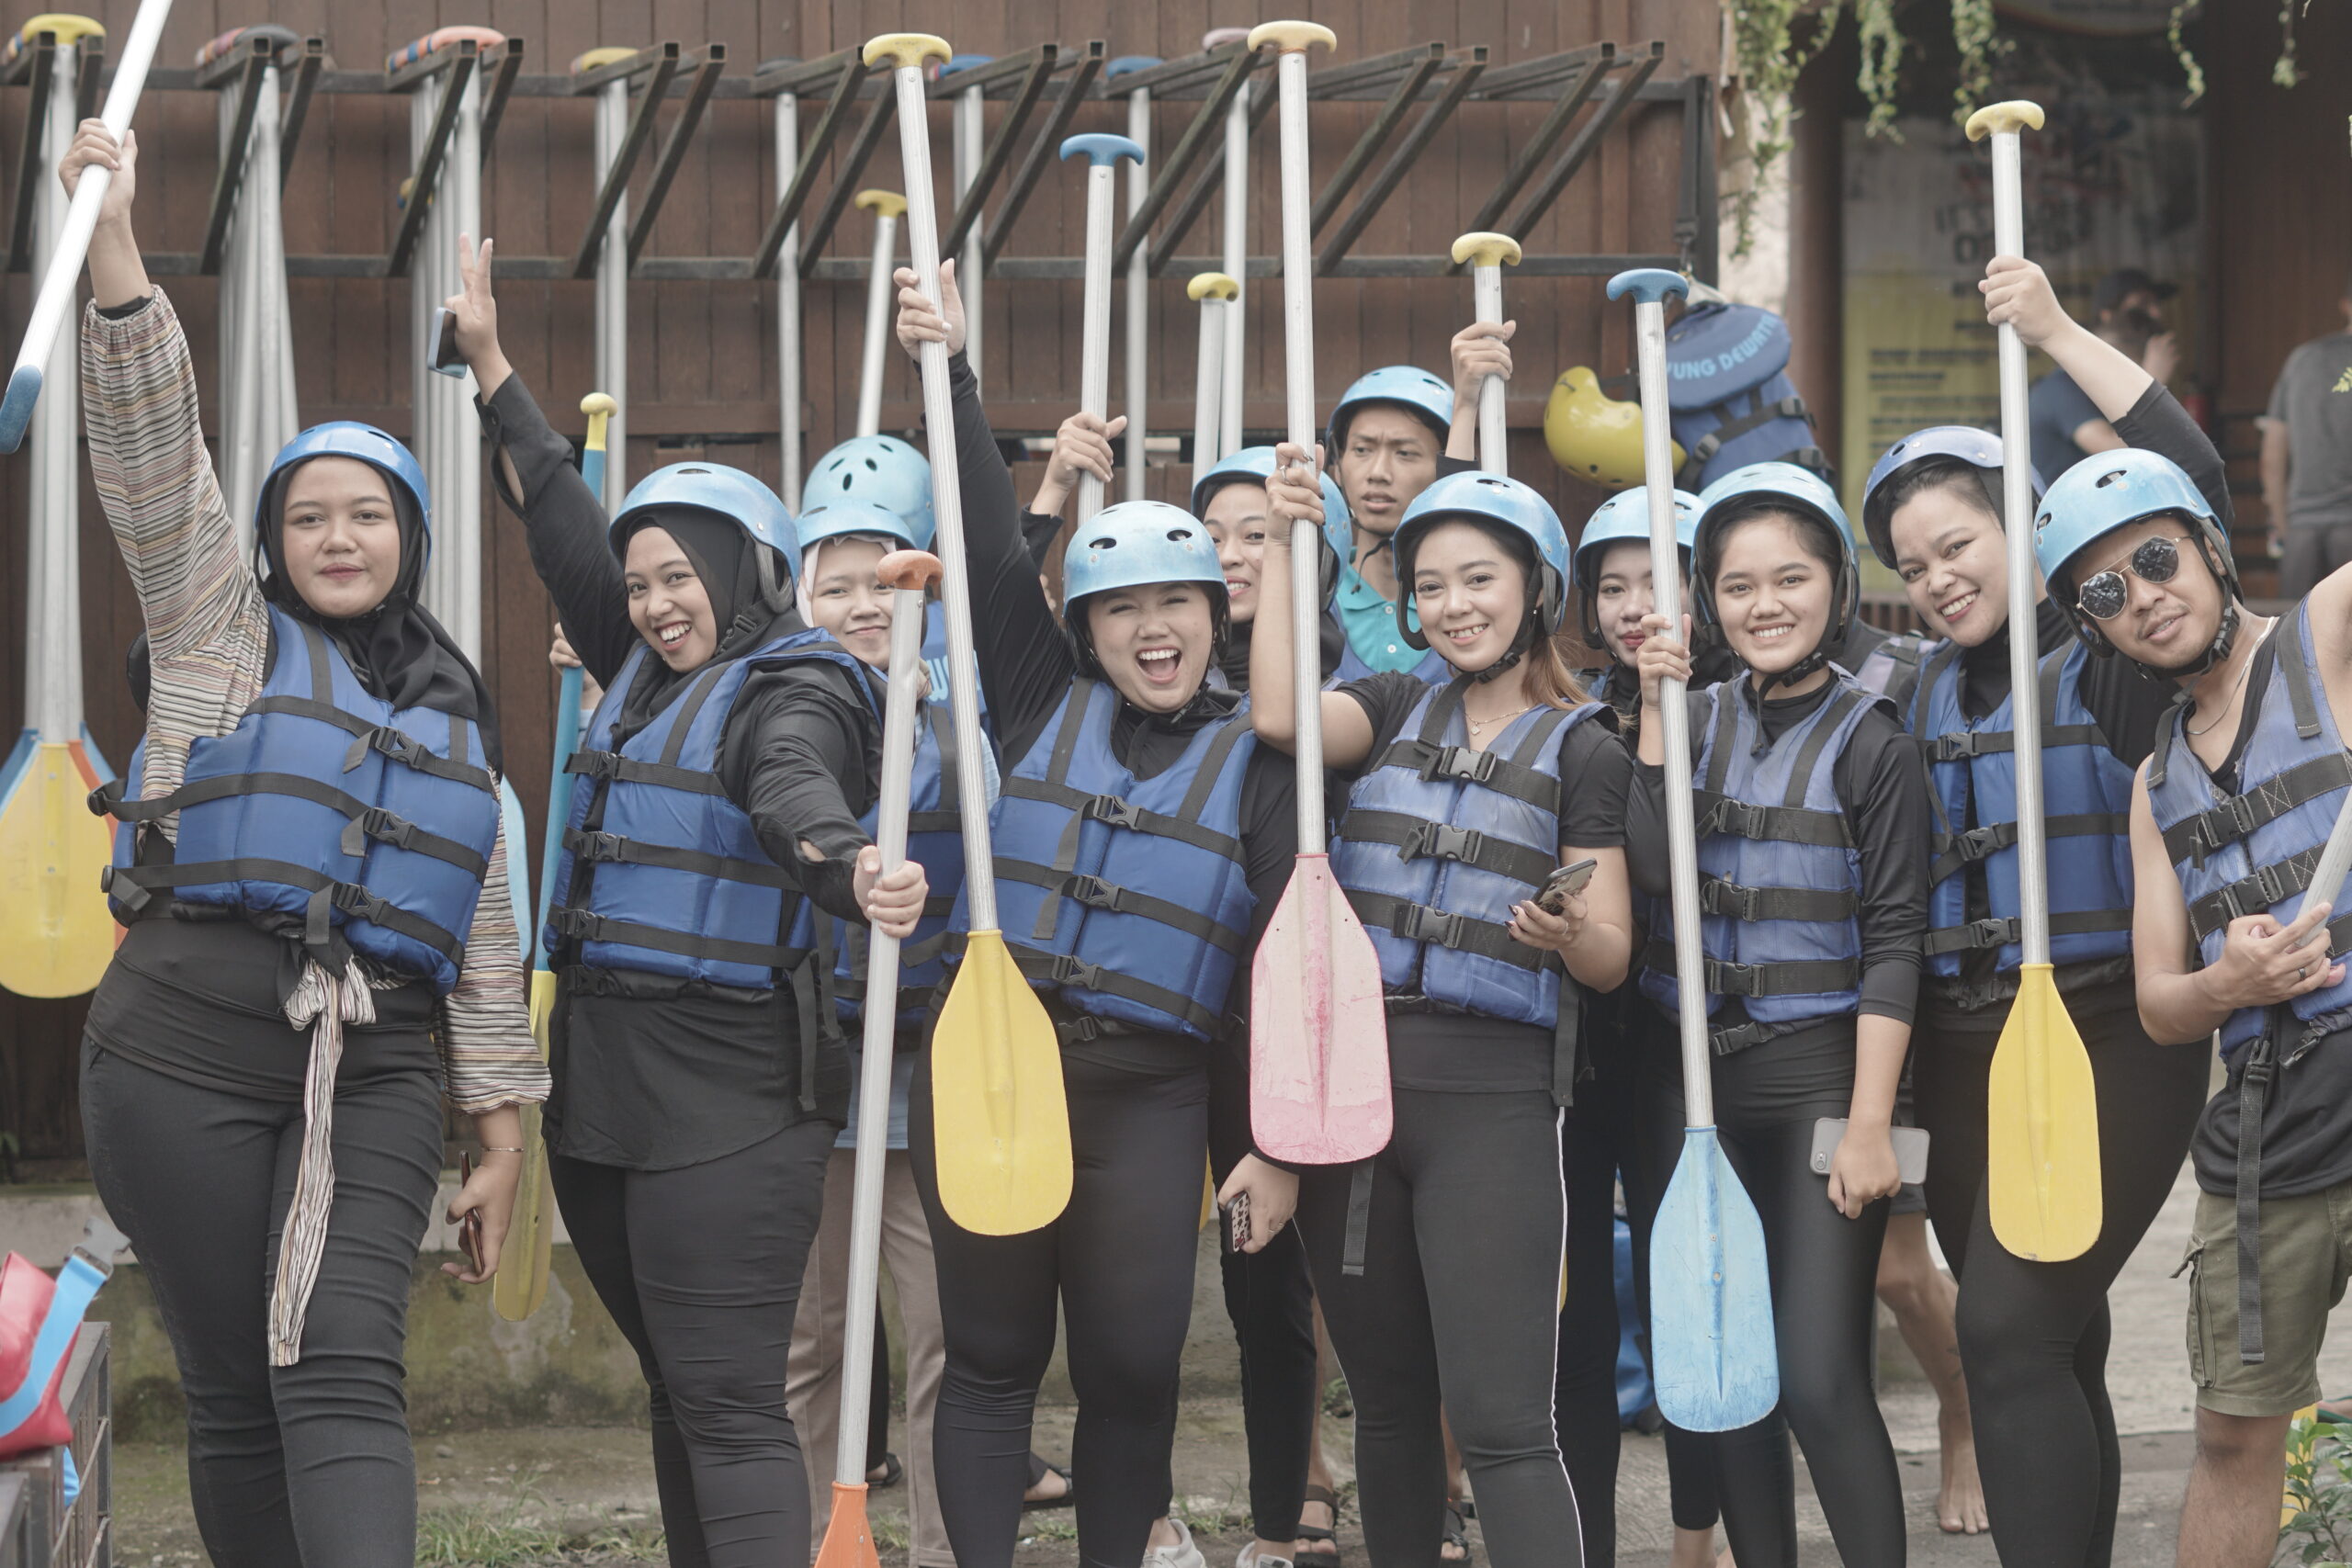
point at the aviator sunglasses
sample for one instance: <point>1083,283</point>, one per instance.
<point>2156,560</point>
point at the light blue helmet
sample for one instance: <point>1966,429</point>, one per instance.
<point>882,469</point>
<point>732,495</point>
<point>1626,515</point>
<point>1136,543</point>
<point>2111,491</point>
<point>1426,395</point>
<point>1255,464</point>
<point>350,438</point>
<point>1511,506</point>
<point>1784,486</point>
<point>1979,449</point>
<point>861,519</point>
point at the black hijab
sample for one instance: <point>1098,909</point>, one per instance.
<point>400,654</point>
<point>727,558</point>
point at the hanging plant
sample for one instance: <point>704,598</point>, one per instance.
<point>1979,46</point>
<point>1882,54</point>
<point>2189,68</point>
<point>2283,71</point>
<point>1768,59</point>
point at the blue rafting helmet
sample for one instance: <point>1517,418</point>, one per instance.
<point>731,494</point>
<point>2111,491</point>
<point>1255,464</point>
<point>1626,515</point>
<point>1979,449</point>
<point>1134,544</point>
<point>882,469</point>
<point>365,443</point>
<point>858,519</point>
<point>1408,386</point>
<point>1787,486</point>
<point>1519,513</point>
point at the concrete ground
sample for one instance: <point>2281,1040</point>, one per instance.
<point>585,1494</point>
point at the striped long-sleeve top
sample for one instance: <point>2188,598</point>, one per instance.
<point>208,630</point>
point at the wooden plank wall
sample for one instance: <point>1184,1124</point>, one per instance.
<point>701,355</point>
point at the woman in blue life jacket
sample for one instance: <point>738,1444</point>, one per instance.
<point>2033,1335</point>
<point>1443,1253</point>
<point>695,1099</point>
<point>1132,785</point>
<point>1813,823</point>
<point>1230,501</point>
<point>321,949</point>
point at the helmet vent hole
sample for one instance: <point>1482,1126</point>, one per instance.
<point>1178,536</point>
<point>2110,477</point>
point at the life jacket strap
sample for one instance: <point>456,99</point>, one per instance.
<point>2205,832</point>
<point>611,848</point>
<point>584,926</point>
<point>1488,769</point>
<point>2254,1099</point>
<point>1063,971</point>
<point>1797,977</point>
<point>1416,837</point>
<point>1962,744</point>
<point>2002,932</point>
<point>609,766</point>
<point>326,895</point>
<point>1094,893</point>
<point>1447,928</point>
<point>1733,426</point>
<point>1717,897</point>
<point>1720,813</point>
<point>1954,851</point>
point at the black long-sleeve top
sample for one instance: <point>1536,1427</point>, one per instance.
<point>653,1075</point>
<point>1027,664</point>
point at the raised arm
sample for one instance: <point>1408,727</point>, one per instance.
<point>1293,495</point>
<point>2017,293</point>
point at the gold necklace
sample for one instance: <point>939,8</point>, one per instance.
<point>1477,724</point>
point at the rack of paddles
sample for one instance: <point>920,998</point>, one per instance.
<point>650,110</point>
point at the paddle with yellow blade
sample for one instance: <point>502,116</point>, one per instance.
<point>521,1284</point>
<point>1002,1125</point>
<point>2042,1175</point>
<point>1318,1027</point>
<point>849,1541</point>
<point>56,936</point>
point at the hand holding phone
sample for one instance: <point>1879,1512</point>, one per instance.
<point>1237,1221</point>
<point>1568,880</point>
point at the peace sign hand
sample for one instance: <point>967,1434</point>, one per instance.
<point>477,314</point>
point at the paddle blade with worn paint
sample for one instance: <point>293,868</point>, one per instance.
<point>56,934</point>
<point>849,1539</point>
<point>2041,1172</point>
<point>1713,1356</point>
<point>999,1120</point>
<point>1318,1032</point>
<point>519,1287</point>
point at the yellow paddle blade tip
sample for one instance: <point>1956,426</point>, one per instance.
<point>2016,114</point>
<point>2043,1188</point>
<point>1001,1121</point>
<point>906,48</point>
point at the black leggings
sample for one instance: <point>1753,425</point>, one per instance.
<point>1459,1289</point>
<point>701,1269</point>
<point>2033,1336</point>
<point>1272,1306</point>
<point>307,1466</point>
<point>1119,1264</point>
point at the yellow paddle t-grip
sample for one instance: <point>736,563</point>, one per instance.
<point>1212,285</point>
<point>1485,248</point>
<point>597,59</point>
<point>600,407</point>
<point>898,49</point>
<point>1001,1121</point>
<point>70,28</point>
<point>2016,114</point>
<point>883,203</point>
<point>1292,38</point>
<point>2042,1169</point>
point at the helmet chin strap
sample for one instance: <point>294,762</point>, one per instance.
<point>1518,650</point>
<point>2225,638</point>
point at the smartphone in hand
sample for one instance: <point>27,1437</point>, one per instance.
<point>1236,1221</point>
<point>1557,887</point>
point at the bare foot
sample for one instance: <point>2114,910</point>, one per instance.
<point>1959,1505</point>
<point>1457,1547</point>
<point>1694,1549</point>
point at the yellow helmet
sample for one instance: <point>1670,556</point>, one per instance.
<point>1592,435</point>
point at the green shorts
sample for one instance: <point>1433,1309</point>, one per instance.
<point>2306,1258</point>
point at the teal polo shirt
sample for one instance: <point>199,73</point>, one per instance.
<point>1370,622</point>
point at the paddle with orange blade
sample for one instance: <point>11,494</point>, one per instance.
<point>848,1540</point>
<point>2042,1171</point>
<point>1318,1030</point>
<point>1000,1123</point>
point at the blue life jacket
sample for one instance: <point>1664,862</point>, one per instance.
<point>934,841</point>
<point>1126,899</point>
<point>661,872</point>
<point>2086,806</point>
<point>1885,664</point>
<point>1729,396</point>
<point>1780,878</point>
<point>326,810</point>
<point>2253,851</point>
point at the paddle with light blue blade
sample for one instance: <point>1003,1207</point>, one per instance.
<point>1711,1346</point>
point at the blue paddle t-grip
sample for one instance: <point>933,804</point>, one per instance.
<point>963,63</point>
<point>17,408</point>
<point>1100,147</point>
<point>1648,285</point>
<point>1128,65</point>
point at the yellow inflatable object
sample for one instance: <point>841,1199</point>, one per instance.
<point>56,933</point>
<point>1592,435</point>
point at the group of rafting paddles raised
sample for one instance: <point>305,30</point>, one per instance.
<point>1283,838</point>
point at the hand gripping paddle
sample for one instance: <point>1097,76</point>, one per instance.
<point>2042,1170</point>
<point>1102,153</point>
<point>521,1284</point>
<point>1318,1031</point>
<point>1487,255</point>
<point>849,1542</point>
<point>1002,1125</point>
<point>1215,293</point>
<point>1712,1346</point>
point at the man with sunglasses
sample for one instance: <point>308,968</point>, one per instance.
<point>2227,817</point>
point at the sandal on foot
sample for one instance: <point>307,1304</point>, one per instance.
<point>1323,1545</point>
<point>1456,1534</point>
<point>892,1473</point>
<point>1068,1493</point>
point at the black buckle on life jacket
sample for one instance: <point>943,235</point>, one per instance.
<point>380,825</point>
<point>1731,898</point>
<point>1444,840</point>
<point>1459,762</point>
<point>101,800</point>
<point>1982,843</point>
<point>1080,1030</point>
<point>1112,809</point>
<point>2264,883</point>
<point>595,848</point>
<point>1736,818</point>
<point>357,901</point>
<point>1094,893</point>
<point>577,923</point>
<point>130,896</point>
<point>1066,969</point>
<point>395,744</point>
<point>1418,922</point>
<point>594,764</point>
<point>2212,829</point>
<point>1993,932</point>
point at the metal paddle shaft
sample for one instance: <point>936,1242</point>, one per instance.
<point>2327,876</point>
<point>60,284</point>
<point>1235,244</point>
<point>1138,321</point>
<point>885,205</point>
<point>907,573</point>
<point>1102,153</point>
<point>1488,254</point>
<point>785,128</point>
<point>1215,293</point>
